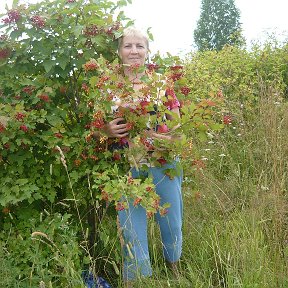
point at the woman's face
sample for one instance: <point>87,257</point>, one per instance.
<point>133,50</point>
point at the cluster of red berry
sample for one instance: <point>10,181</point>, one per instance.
<point>4,53</point>
<point>20,116</point>
<point>185,90</point>
<point>38,21</point>
<point>91,65</point>
<point>13,17</point>
<point>44,97</point>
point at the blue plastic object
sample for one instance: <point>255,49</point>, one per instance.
<point>94,282</point>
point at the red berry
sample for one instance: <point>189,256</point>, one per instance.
<point>162,161</point>
<point>4,53</point>
<point>120,206</point>
<point>185,90</point>
<point>44,97</point>
<point>91,30</point>
<point>38,21</point>
<point>2,128</point>
<point>58,135</point>
<point>176,67</point>
<point>227,119</point>
<point>116,156</point>
<point>137,201</point>
<point>149,189</point>
<point>6,146</point>
<point>152,67</point>
<point>77,162</point>
<point>20,116</point>
<point>163,128</point>
<point>163,212</point>
<point>6,210</point>
<point>24,128</point>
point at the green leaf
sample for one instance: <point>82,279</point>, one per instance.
<point>63,61</point>
<point>93,81</point>
<point>77,30</point>
<point>15,34</point>
<point>48,64</point>
<point>21,182</point>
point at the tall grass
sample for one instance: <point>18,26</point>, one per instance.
<point>235,229</point>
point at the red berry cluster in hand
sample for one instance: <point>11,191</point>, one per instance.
<point>38,21</point>
<point>147,143</point>
<point>129,125</point>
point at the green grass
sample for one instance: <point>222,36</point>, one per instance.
<point>235,227</point>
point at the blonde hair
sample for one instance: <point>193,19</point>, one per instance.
<point>133,31</point>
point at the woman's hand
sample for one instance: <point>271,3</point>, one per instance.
<point>160,136</point>
<point>115,130</point>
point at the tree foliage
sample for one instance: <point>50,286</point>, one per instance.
<point>219,24</point>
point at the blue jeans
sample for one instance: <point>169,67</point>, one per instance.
<point>133,222</point>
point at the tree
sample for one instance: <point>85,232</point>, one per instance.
<point>218,25</point>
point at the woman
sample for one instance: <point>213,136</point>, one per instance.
<point>133,50</point>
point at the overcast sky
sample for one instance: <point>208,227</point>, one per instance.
<point>173,22</point>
